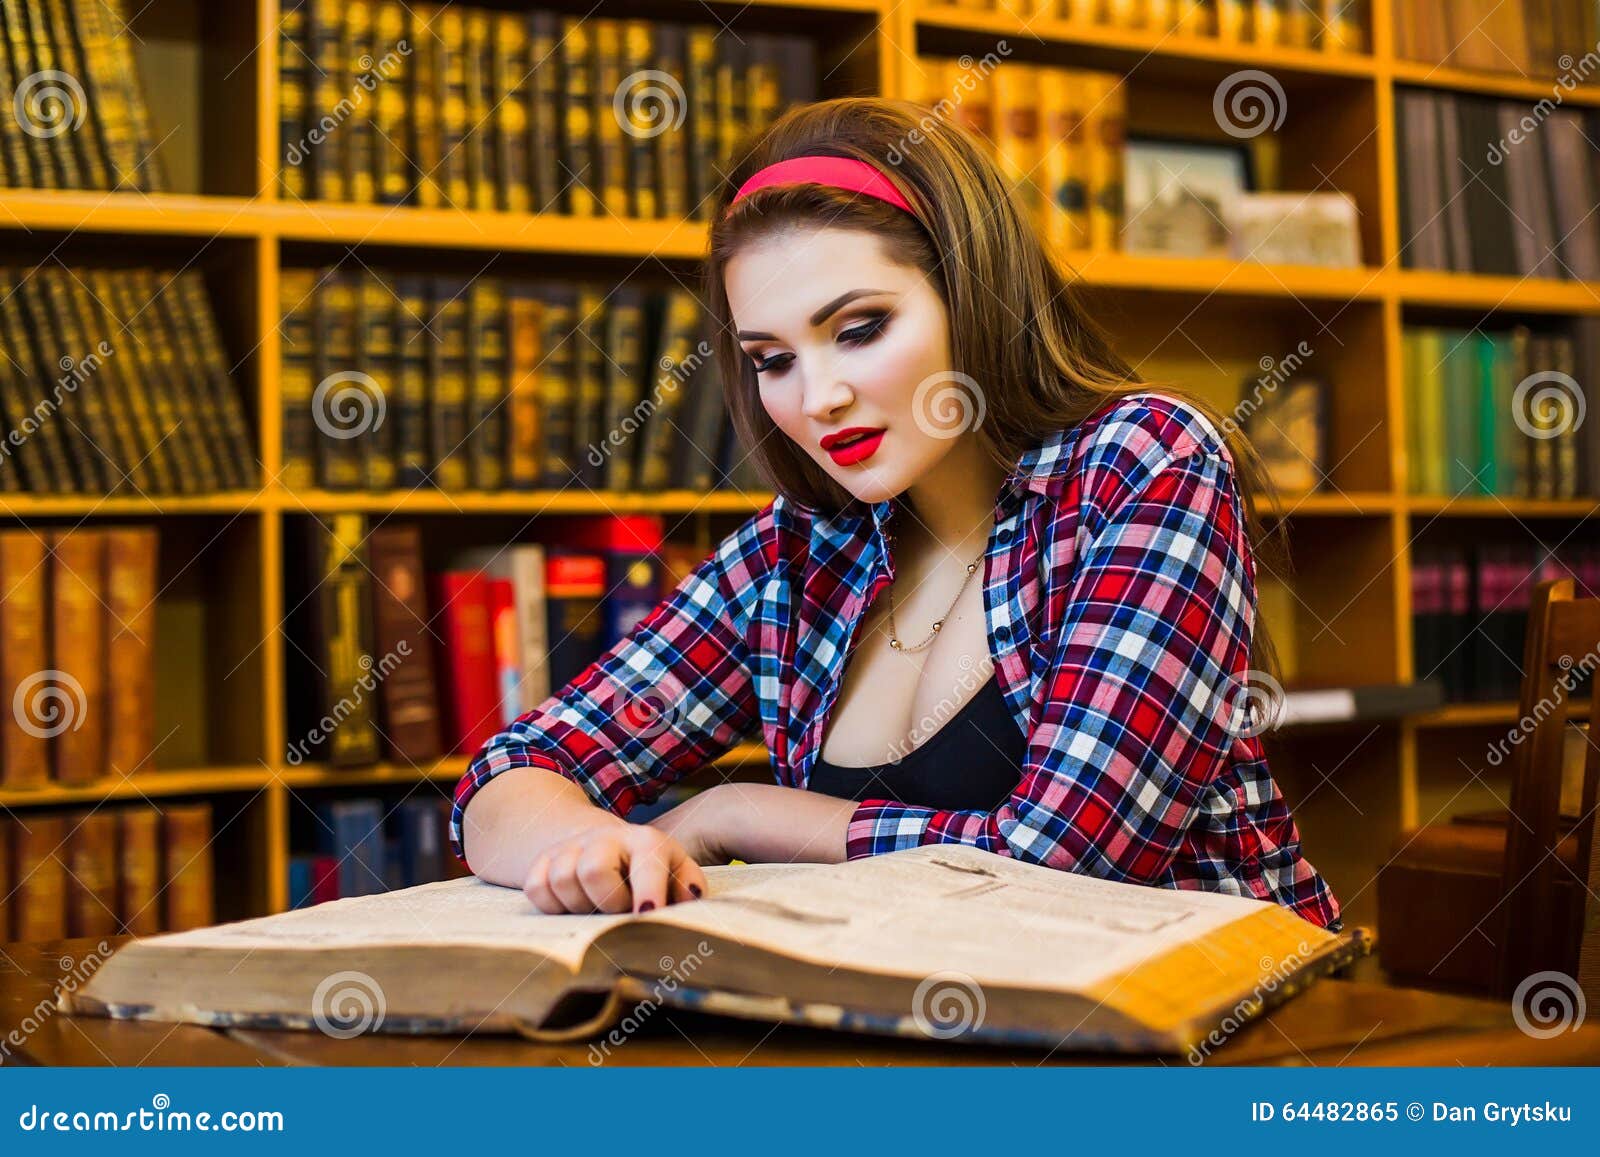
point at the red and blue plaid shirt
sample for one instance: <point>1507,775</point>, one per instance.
<point>1120,595</point>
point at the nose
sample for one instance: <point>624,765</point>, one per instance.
<point>829,395</point>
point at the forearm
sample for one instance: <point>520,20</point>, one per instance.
<point>766,823</point>
<point>517,814</point>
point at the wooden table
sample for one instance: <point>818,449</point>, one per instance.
<point>1336,1022</point>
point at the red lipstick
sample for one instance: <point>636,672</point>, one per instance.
<point>855,444</point>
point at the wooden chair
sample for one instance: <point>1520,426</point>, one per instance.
<point>1480,902</point>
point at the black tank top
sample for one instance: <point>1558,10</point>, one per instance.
<point>974,761</point>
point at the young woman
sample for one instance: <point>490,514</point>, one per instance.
<point>1004,596</point>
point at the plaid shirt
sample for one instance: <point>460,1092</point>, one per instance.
<point>1119,593</point>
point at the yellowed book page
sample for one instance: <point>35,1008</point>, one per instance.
<point>458,913</point>
<point>1003,922</point>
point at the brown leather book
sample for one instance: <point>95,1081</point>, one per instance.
<point>91,884</point>
<point>38,905</point>
<point>129,589</point>
<point>187,893</point>
<point>75,713</point>
<point>140,870</point>
<point>400,613</point>
<point>24,659</point>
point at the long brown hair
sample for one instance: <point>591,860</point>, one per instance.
<point>1016,322</point>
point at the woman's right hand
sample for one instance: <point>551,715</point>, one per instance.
<point>613,867</point>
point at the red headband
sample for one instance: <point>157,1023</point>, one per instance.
<point>839,172</point>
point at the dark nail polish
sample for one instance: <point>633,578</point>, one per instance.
<point>647,905</point>
<point>695,888</point>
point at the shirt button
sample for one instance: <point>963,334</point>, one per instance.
<point>1004,535</point>
<point>1002,632</point>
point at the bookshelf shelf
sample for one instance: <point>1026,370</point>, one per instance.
<point>1479,507</point>
<point>1491,84</point>
<point>1479,291</point>
<point>151,506</point>
<point>1214,275</point>
<point>448,769</point>
<point>142,785</point>
<point>137,214</point>
<point>1099,46</point>
<point>1460,715</point>
<point>1332,504</point>
<point>530,502</point>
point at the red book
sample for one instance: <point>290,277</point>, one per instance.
<point>467,686</point>
<point>324,878</point>
<point>507,648</point>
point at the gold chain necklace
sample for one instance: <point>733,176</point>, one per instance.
<point>894,641</point>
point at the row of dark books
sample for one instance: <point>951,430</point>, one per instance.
<point>543,111</point>
<point>1523,37</point>
<point>1056,133</point>
<point>1328,25</point>
<point>113,870</point>
<point>1497,186</point>
<point>364,846</point>
<point>77,654</point>
<point>1503,412</point>
<point>116,381</point>
<point>76,115</point>
<point>492,385</point>
<point>1470,609</point>
<point>399,659</point>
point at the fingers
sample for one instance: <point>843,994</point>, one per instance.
<point>600,868</point>
<point>564,879</point>
<point>647,872</point>
<point>688,881</point>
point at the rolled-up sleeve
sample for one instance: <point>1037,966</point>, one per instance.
<point>669,697</point>
<point>1133,723</point>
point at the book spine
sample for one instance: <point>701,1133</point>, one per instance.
<point>447,411</point>
<point>149,175</point>
<point>199,422</point>
<point>511,74</point>
<point>486,377</point>
<point>591,378</point>
<point>467,661</point>
<point>545,116</point>
<point>39,901</point>
<point>71,111</point>
<point>91,884</point>
<point>558,389</point>
<point>64,421</point>
<point>388,75</point>
<point>294,55</point>
<point>671,159</point>
<point>479,140</point>
<point>507,649</point>
<point>24,661</point>
<point>405,643</point>
<point>130,587</point>
<point>188,888</point>
<point>132,371</point>
<point>581,173</point>
<point>339,406</point>
<point>424,83</point>
<point>297,361</point>
<point>624,337</point>
<point>410,406</point>
<point>72,55</point>
<point>375,329</point>
<point>452,56</point>
<point>525,323</point>
<point>644,107</point>
<point>139,874</point>
<point>80,377</point>
<point>344,601</point>
<point>355,82</point>
<point>159,387</point>
<point>191,312</point>
<point>78,652</point>
<point>703,111</point>
<point>676,364</point>
<point>325,26</point>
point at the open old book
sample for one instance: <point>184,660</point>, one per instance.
<point>938,941</point>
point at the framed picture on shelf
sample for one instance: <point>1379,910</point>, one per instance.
<point>1287,422</point>
<point>1295,229</point>
<point>1177,192</point>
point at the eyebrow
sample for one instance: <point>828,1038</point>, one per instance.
<point>817,318</point>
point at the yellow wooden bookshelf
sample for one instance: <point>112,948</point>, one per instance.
<point>1352,788</point>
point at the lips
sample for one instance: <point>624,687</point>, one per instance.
<point>856,444</point>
